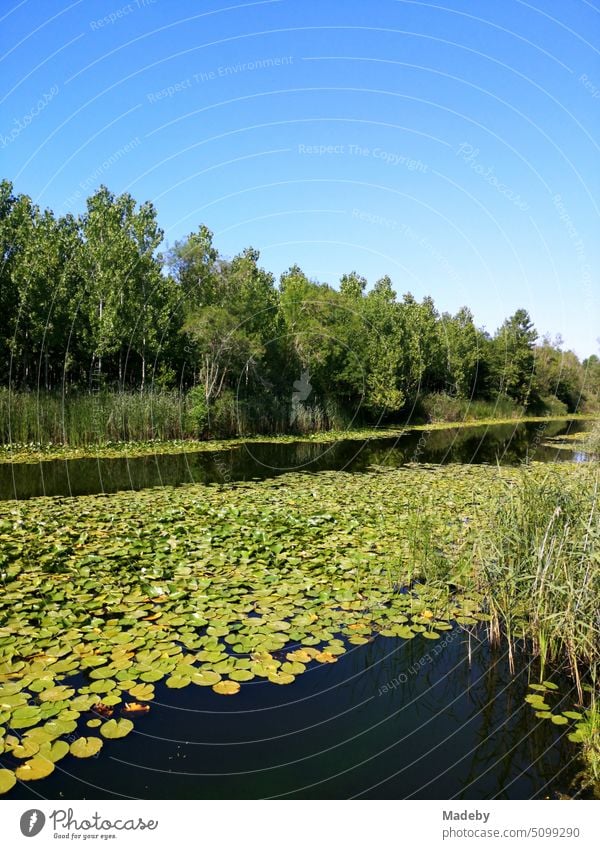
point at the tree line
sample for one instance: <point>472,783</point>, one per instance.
<point>90,303</point>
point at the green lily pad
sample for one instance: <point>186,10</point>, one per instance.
<point>226,688</point>
<point>34,769</point>
<point>241,675</point>
<point>206,678</point>
<point>281,678</point>
<point>151,676</point>
<point>7,780</point>
<point>56,694</point>
<point>25,748</point>
<point>145,692</point>
<point>57,727</point>
<point>114,729</point>
<point>177,682</point>
<point>87,747</point>
<point>54,751</point>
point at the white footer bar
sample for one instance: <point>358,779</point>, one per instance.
<point>302,824</point>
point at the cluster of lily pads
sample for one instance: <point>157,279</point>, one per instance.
<point>106,600</point>
<point>538,700</point>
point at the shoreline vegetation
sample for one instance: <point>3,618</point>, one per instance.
<point>37,452</point>
<point>104,337</point>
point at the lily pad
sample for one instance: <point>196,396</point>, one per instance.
<point>175,682</point>
<point>7,780</point>
<point>54,751</point>
<point>282,678</point>
<point>34,769</point>
<point>145,692</point>
<point>113,729</point>
<point>87,747</point>
<point>56,694</point>
<point>241,675</point>
<point>226,688</point>
<point>206,678</point>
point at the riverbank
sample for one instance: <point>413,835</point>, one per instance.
<point>35,453</point>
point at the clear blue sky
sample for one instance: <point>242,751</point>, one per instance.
<point>454,146</point>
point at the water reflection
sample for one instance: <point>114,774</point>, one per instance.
<point>506,444</point>
<point>454,727</point>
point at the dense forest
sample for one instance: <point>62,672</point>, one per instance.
<point>89,305</point>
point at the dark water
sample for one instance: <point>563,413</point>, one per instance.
<point>507,444</point>
<point>391,719</point>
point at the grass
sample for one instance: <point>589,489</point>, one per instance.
<point>105,417</point>
<point>447,408</point>
<point>537,566</point>
<point>591,440</point>
<point>589,734</point>
<point>537,569</point>
<point>91,419</point>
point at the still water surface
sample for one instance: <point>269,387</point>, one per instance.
<point>390,720</point>
<point>506,444</point>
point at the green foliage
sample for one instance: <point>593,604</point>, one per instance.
<point>197,411</point>
<point>89,307</point>
<point>440,407</point>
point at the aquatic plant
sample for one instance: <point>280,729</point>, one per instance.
<point>107,599</point>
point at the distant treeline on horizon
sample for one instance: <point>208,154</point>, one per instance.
<point>88,302</point>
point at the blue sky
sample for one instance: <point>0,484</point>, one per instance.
<point>453,146</point>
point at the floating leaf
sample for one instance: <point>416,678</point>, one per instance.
<point>282,677</point>
<point>7,780</point>
<point>34,769</point>
<point>54,751</point>
<point>226,688</point>
<point>142,691</point>
<point>87,747</point>
<point>241,675</point>
<point>206,678</point>
<point>325,657</point>
<point>175,682</point>
<point>116,728</point>
<point>56,694</point>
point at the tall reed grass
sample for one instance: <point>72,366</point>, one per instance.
<point>442,407</point>
<point>96,418</point>
<point>90,419</point>
<point>538,567</point>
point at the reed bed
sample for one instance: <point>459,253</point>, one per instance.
<point>90,419</point>
<point>538,568</point>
